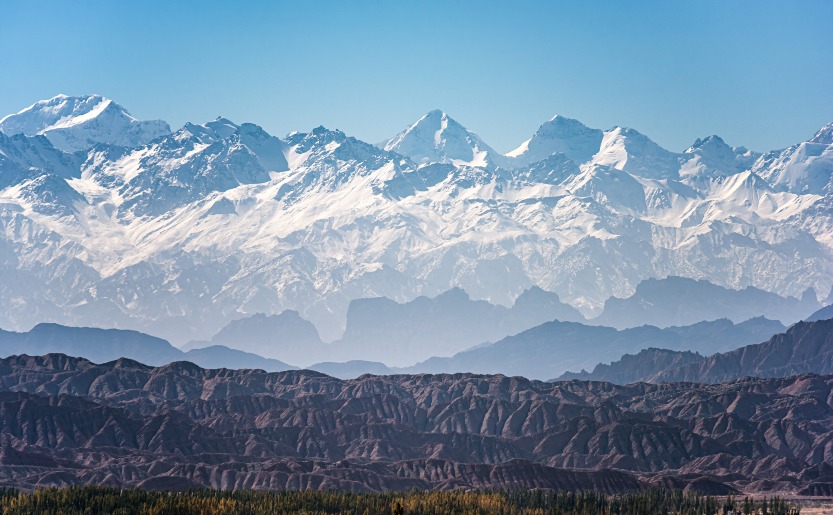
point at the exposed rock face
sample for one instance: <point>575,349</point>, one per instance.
<point>66,420</point>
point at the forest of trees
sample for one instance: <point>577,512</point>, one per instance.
<point>95,499</point>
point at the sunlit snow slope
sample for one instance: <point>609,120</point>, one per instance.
<point>177,233</point>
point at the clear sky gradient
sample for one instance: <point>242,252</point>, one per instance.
<point>758,73</point>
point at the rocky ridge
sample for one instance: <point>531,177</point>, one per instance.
<point>68,421</point>
<point>108,220</point>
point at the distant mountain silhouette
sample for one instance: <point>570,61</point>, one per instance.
<point>401,334</point>
<point>681,301</point>
<point>104,345</point>
<point>644,366</point>
<point>806,347</point>
<point>542,352</point>
<point>352,369</point>
<point>96,345</point>
<point>218,356</point>
<point>824,313</point>
<point>286,336</point>
<point>551,349</point>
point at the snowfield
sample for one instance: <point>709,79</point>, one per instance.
<point>109,221</point>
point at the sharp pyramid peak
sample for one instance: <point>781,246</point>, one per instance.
<point>436,117</point>
<point>436,137</point>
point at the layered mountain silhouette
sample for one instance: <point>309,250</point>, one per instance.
<point>822,314</point>
<point>552,348</point>
<point>682,301</point>
<point>287,336</point>
<point>398,334</point>
<point>804,347</point>
<point>645,366</point>
<point>104,345</point>
<point>544,351</point>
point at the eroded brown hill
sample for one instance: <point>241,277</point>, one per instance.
<point>66,420</point>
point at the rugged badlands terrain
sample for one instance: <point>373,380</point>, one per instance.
<point>66,421</point>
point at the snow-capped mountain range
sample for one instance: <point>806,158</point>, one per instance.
<point>110,221</point>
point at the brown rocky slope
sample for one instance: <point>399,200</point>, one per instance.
<point>67,421</point>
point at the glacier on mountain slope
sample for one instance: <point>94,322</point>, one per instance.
<point>179,234</point>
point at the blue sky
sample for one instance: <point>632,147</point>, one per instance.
<point>758,73</point>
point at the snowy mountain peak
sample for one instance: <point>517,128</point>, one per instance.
<point>566,126</point>
<point>560,134</point>
<point>23,157</point>
<point>436,114</point>
<point>209,132</point>
<point>79,123</point>
<point>824,135</point>
<point>438,138</point>
<point>803,168</point>
<point>223,127</point>
<point>712,157</point>
<point>60,110</point>
<point>711,142</point>
<point>188,231</point>
<point>629,150</point>
<point>318,136</point>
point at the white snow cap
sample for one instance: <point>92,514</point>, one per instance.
<point>79,123</point>
<point>824,135</point>
<point>560,134</point>
<point>438,138</point>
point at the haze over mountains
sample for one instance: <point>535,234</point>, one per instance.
<point>804,347</point>
<point>544,351</point>
<point>104,345</point>
<point>548,350</point>
<point>680,301</point>
<point>110,221</point>
<point>380,329</point>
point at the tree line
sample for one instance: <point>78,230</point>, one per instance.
<point>101,499</point>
